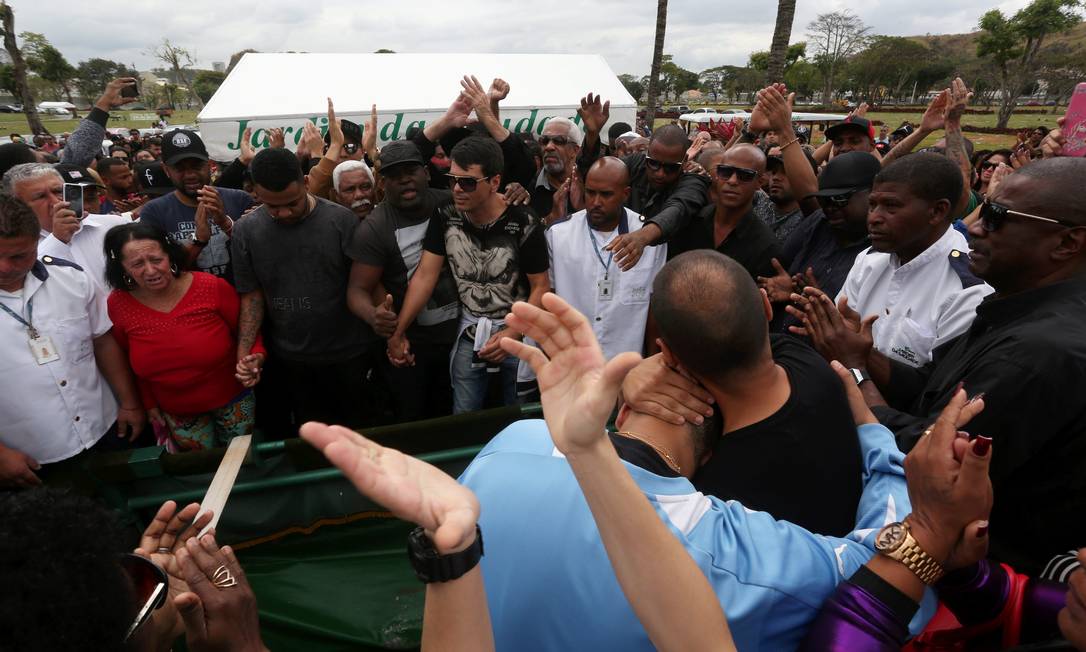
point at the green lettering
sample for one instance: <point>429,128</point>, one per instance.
<point>395,128</point>
<point>257,142</point>
<point>505,123</point>
<point>421,124</point>
<point>542,123</point>
<point>521,126</point>
<point>241,132</point>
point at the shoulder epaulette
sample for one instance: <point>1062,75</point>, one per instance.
<point>59,262</point>
<point>959,262</point>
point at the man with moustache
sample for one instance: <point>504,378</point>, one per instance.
<point>196,214</point>
<point>778,206</point>
<point>353,187</point>
<point>561,141</point>
<point>583,273</point>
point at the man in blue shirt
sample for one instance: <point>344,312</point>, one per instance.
<point>197,215</point>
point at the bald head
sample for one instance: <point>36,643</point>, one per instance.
<point>736,177</point>
<point>1049,182</point>
<point>710,314</point>
<point>609,170</point>
<point>746,156</point>
<point>671,136</point>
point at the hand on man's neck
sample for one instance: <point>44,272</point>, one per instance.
<point>488,212</point>
<point>676,440</point>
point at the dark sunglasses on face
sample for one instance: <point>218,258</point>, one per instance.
<point>745,175</point>
<point>467,184</point>
<point>840,201</point>
<point>350,148</point>
<point>993,215</point>
<point>669,168</point>
<point>150,585</point>
<point>989,165</point>
<point>557,140</point>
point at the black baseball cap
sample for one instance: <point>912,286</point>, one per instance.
<point>181,144</point>
<point>352,133</point>
<point>903,130</point>
<point>75,174</point>
<point>847,172</point>
<point>153,179</point>
<point>854,122</point>
<point>777,160</point>
<point>399,152</point>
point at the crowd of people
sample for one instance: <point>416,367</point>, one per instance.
<point>837,372</point>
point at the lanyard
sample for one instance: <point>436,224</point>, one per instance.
<point>28,322</point>
<point>623,227</point>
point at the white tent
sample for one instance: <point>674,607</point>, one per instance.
<point>287,90</point>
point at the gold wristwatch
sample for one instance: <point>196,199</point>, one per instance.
<point>896,542</point>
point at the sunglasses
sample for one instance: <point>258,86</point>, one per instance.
<point>745,175</point>
<point>350,148</point>
<point>993,215</point>
<point>669,168</point>
<point>467,184</point>
<point>557,140</point>
<point>150,584</point>
<point>988,165</point>
<point>840,201</point>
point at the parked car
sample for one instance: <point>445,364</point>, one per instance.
<point>10,108</point>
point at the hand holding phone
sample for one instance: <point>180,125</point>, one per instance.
<point>130,90</point>
<point>73,194</point>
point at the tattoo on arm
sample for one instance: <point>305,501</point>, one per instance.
<point>249,321</point>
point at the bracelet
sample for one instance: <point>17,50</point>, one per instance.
<point>791,142</point>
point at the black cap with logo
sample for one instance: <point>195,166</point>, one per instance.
<point>75,174</point>
<point>153,179</point>
<point>181,144</point>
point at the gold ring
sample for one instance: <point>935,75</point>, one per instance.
<point>222,578</point>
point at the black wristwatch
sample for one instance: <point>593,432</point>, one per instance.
<point>430,566</point>
<point>859,375</point>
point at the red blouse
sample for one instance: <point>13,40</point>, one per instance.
<point>184,359</point>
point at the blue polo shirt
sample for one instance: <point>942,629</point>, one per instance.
<point>550,585</point>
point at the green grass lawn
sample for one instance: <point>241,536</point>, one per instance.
<point>16,122</point>
<point>980,141</point>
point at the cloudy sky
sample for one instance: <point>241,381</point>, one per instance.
<point>700,34</point>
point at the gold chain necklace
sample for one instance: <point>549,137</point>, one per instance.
<point>664,454</point>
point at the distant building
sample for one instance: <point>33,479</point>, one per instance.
<point>218,66</point>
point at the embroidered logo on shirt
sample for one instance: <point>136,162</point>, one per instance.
<point>906,354</point>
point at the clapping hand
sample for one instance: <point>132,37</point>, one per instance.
<point>578,387</point>
<point>837,332</point>
<point>247,152</point>
<point>1054,141</point>
<point>778,287</point>
<point>406,486</point>
<point>335,130</point>
<point>594,112</point>
<point>473,91</point>
<point>935,115</point>
<point>759,121</point>
<point>776,108</point>
<point>311,144</point>
<point>516,194</point>
<point>957,100</point>
<point>209,198</point>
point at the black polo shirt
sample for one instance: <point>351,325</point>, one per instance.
<point>751,243</point>
<point>1027,353</point>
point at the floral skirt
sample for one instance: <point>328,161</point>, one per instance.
<point>194,432</point>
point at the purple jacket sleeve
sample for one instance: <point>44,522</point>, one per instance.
<point>855,619</point>
<point>979,593</point>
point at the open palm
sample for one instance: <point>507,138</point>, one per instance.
<point>578,387</point>
<point>408,487</point>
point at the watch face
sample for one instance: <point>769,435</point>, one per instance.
<point>890,537</point>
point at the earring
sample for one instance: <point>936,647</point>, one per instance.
<point>128,280</point>
<point>175,270</point>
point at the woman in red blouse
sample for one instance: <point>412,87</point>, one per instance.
<point>180,331</point>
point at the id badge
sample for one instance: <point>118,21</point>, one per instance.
<point>43,349</point>
<point>605,289</point>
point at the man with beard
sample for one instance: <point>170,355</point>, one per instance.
<point>497,255</point>
<point>119,182</point>
<point>583,273</point>
<point>561,141</point>
<point>196,214</point>
<point>777,206</point>
<point>353,187</point>
<point>386,249</point>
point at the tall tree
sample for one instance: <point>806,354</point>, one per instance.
<point>93,75</point>
<point>207,82</point>
<point>833,37</point>
<point>236,57</point>
<point>782,32</point>
<point>633,86</point>
<point>1014,44</point>
<point>657,59</point>
<point>178,60</point>
<point>48,62</point>
<point>18,69</point>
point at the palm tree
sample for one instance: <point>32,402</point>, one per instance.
<point>657,57</point>
<point>786,11</point>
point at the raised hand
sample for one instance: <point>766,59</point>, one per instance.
<point>776,108</point>
<point>594,112</point>
<point>998,175</point>
<point>369,136</point>
<point>759,122</point>
<point>473,91</point>
<point>459,111</point>
<point>957,100</point>
<point>578,387</point>
<point>499,90</point>
<point>276,138</point>
<point>335,130</point>
<point>935,115</point>
<point>860,111</point>
<point>111,97</point>
<point>699,142</point>
<point>408,487</point>
<point>247,152</point>
<point>312,143</point>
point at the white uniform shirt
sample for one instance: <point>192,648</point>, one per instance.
<point>86,250</point>
<point>576,271</point>
<point>921,304</point>
<point>55,410</point>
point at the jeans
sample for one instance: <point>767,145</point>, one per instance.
<point>470,384</point>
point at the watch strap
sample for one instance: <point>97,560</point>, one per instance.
<point>859,375</point>
<point>431,566</point>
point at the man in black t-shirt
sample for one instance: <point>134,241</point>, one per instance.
<point>789,445</point>
<point>496,254</point>
<point>387,248</point>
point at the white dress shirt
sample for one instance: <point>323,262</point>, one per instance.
<point>55,410</point>
<point>576,272</point>
<point>922,304</point>
<point>86,250</point>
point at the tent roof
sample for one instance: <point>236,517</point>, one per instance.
<point>289,84</point>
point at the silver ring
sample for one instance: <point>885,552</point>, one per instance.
<point>164,550</point>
